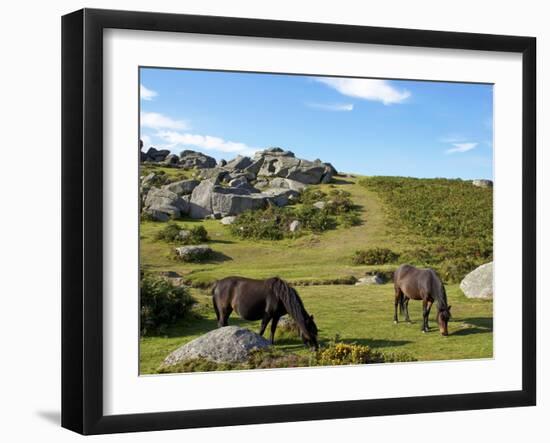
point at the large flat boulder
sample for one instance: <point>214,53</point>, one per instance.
<point>276,162</point>
<point>193,159</point>
<point>479,282</point>
<point>155,155</point>
<point>182,187</point>
<point>162,204</point>
<point>229,344</point>
<point>210,198</point>
<point>239,163</point>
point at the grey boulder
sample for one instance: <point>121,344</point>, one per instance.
<point>183,187</point>
<point>482,183</point>
<point>287,183</point>
<point>193,159</point>
<point>210,198</point>
<point>194,252</point>
<point>239,163</point>
<point>479,282</point>
<point>229,344</point>
<point>369,280</point>
<point>155,155</point>
<point>229,220</point>
<point>162,204</point>
<point>294,226</point>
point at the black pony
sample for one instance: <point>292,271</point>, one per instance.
<point>421,284</point>
<point>262,300</point>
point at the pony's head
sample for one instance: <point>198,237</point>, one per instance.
<point>309,337</point>
<point>443,316</point>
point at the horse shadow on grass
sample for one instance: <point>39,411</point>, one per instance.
<point>476,325</point>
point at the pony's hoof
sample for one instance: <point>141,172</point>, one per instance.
<point>395,322</point>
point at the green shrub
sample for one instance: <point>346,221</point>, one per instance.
<point>169,232</point>
<point>374,256</point>
<point>172,233</point>
<point>347,354</point>
<point>339,202</point>
<point>199,234</point>
<point>317,220</point>
<point>269,224</point>
<point>453,271</point>
<point>161,304</point>
<point>312,195</point>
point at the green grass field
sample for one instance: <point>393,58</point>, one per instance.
<point>361,314</point>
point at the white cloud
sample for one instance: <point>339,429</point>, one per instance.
<point>461,147</point>
<point>367,89</point>
<point>155,120</point>
<point>208,142</point>
<point>331,107</point>
<point>146,94</point>
<point>453,138</point>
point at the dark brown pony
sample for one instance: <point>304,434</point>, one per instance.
<point>262,300</point>
<point>421,284</point>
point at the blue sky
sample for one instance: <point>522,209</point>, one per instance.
<point>363,126</point>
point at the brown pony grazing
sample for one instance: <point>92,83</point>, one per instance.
<point>421,284</point>
<point>262,300</point>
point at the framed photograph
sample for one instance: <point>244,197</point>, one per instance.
<point>269,221</point>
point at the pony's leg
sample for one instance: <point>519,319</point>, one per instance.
<point>398,295</point>
<point>424,315</point>
<point>406,303</point>
<point>428,307</point>
<point>274,323</point>
<point>216,310</point>
<point>224,316</point>
<point>265,321</point>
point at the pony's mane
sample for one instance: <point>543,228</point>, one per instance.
<point>291,300</point>
<point>439,292</point>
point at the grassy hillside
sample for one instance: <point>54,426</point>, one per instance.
<point>361,314</point>
<point>453,218</point>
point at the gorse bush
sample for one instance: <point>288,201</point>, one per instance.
<point>314,219</point>
<point>174,233</point>
<point>437,207</point>
<point>161,304</point>
<point>374,256</point>
<point>347,354</point>
<point>335,354</point>
<point>269,224</point>
<point>339,202</point>
<point>169,232</point>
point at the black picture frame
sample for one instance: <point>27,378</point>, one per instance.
<point>82,218</point>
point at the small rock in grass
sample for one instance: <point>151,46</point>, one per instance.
<point>319,205</point>
<point>294,226</point>
<point>194,253</point>
<point>229,220</point>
